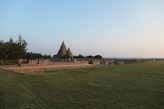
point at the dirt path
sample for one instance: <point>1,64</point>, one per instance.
<point>30,69</point>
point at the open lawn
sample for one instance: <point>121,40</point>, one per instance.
<point>128,86</point>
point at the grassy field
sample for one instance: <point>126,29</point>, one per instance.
<point>128,86</point>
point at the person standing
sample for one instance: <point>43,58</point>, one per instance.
<point>38,63</point>
<point>19,62</point>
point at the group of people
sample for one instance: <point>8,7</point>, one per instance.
<point>20,61</point>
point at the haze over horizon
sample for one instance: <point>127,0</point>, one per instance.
<point>111,28</point>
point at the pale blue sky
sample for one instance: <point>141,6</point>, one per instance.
<point>112,28</point>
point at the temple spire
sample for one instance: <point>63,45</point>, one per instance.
<point>69,54</point>
<point>63,53</point>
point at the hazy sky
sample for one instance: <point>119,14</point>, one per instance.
<point>112,28</point>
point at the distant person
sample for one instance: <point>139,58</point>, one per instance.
<point>19,62</point>
<point>38,63</point>
<point>28,61</point>
<point>74,60</point>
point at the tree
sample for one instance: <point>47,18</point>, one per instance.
<point>22,44</point>
<point>90,56</point>
<point>80,56</point>
<point>98,57</point>
<point>12,50</point>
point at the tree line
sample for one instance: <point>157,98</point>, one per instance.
<point>88,57</point>
<point>12,50</point>
<point>31,55</point>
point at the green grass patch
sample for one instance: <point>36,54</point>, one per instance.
<point>127,86</point>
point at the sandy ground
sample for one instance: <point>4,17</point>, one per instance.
<point>30,68</point>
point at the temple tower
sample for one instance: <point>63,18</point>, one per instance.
<point>69,54</point>
<point>62,51</point>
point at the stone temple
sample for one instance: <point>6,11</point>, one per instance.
<point>63,53</point>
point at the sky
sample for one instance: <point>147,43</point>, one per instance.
<point>111,28</point>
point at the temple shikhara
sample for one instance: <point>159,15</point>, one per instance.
<point>64,53</point>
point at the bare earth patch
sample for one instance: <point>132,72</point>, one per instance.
<point>29,68</point>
